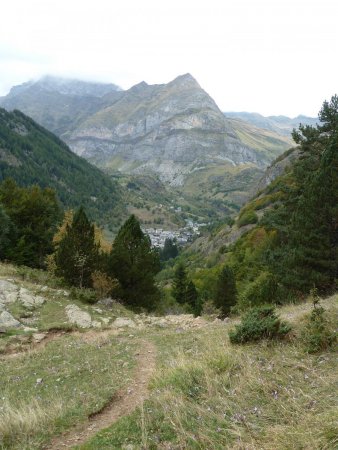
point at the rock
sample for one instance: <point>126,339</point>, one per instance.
<point>96,324</point>
<point>38,337</point>
<point>39,380</point>
<point>107,302</point>
<point>29,300</point>
<point>105,320</point>
<point>8,321</point>
<point>78,317</point>
<point>121,322</point>
<point>8,292</point>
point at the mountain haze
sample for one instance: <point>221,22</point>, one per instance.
<point>281,125</point>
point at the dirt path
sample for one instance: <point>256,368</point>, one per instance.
<point>122,403</point>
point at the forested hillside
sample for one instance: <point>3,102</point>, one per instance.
<point>284,241</point>
<point>32,155</point>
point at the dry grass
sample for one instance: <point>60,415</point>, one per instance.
<point>208,394</point>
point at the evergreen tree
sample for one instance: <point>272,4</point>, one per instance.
<point>169,250</point>
<point>134,263</point>
<point>180,283</point>
<point>5,225</point>
<point>184,291</point>
<point>34,213</point>
<point>308,255</point>
<point>193,299</point>
<point>77,255</point>
<point>225,291</point>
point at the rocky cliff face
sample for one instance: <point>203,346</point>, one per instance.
<point>172,130</point>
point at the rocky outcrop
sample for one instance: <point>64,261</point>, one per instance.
<point>7,321</point>
<point>78,317</point>
<point>170,129</point>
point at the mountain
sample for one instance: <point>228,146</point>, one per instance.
<point>281,125</point>
<point>32,155</point>
<point>59,104</point>
<point>172,130</point>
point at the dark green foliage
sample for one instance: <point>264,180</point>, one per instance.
<point>84,295</point>
<point>77,255</point>
<point>34,214</point>
<point>180,283</point>
<point>193,300</point>
<point>261,291</point>
<point>32,155</point>
<point>259,323</point>
<point>247,217</point>
<point>225,291</point>
<point>5,226</point>
<point>316,334</point>
<point>134,263</point>
<point>169,250</point>
<point>185,292</point>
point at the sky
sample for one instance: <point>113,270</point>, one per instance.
<point>268,56</point>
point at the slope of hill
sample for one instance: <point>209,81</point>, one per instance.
<point>32,155</point>
<point>281,125</point>
<point>81,367</point>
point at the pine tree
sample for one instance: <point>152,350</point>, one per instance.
<point>77,255</point>
<point>5,226</point>
<point>134,263</point>
<point>34,213</point>
<point>225,291</point>
<point>309,254</point>
<point>180,283</point>
<point>192,299</point>
<point>169,250</point>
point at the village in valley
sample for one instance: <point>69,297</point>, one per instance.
<point>182,236</point>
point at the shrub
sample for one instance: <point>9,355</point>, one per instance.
<point>316,334</point>
<point>84,295</point>
<point>246,218</point>
<point>103,284</point>
<point>259,323</point>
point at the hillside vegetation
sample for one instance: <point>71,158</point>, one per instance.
<point>205,393</point>
<point>32,155</point>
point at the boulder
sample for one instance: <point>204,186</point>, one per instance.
<point>78,317</point>
<point>30,300</point>
<point>8,292</point>
<point>7,321</point>
<point>122,322</point>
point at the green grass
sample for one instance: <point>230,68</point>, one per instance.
<point>208,394</point>
<point>78,378</point>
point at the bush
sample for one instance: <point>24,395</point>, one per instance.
<point>259,323</point>
<point>103,284</point>
<point>316,334</point>
<point>246,218</point>
<point>84,295</point>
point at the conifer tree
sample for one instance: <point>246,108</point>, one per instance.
<point>34,214</point>
<point>180,283</point>
<point>77,255</point>
<point>193,299</point>
<point>225,291</point>
<point>169,250</point>
<point>134,263</point>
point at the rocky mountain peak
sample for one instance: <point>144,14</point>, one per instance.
<point>186,80</point>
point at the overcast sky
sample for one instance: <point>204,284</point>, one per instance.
<point>269,56</point>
